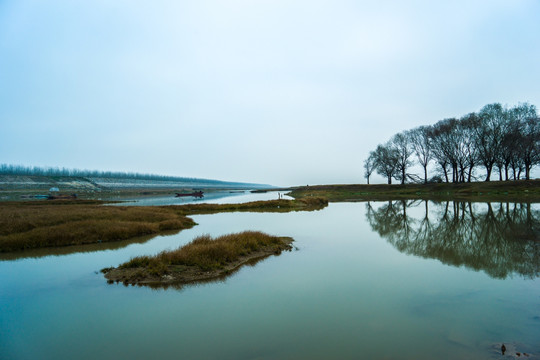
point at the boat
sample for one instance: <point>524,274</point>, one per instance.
<point>198,194</point>
<point>62,197</point>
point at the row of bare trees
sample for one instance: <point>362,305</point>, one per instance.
<point>21,170</point>
<point>495,138</point>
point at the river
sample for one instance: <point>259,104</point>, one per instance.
<point>378,280</point>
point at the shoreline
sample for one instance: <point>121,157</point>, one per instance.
<point>492,191</point>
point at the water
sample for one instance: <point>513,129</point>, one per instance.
<point>366,281</point>
<point>210,197</point>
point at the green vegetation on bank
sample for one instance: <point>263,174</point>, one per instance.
<point>521,190</point>
<point>38,224</point>
<point>203,258</point>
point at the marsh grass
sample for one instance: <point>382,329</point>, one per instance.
<point>30,225</point>
<point>303,204</point>
<point>207,253</point>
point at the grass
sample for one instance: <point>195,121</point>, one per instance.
<point>204,257</point>
<point>521,190</point>
<point>44,224</point>
<point>311,203</point>
<point>39,224</point>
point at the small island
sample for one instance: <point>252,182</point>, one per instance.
<point>200,260</point>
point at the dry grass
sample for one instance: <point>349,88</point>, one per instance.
<point>29,225</point>
<point>207,254</point>
<point>304,204</point>
<point>33,225</point>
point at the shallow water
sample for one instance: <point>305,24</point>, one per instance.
<point>367,281</point>
<point>210,197</point>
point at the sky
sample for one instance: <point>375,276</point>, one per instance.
<point>281,92</point>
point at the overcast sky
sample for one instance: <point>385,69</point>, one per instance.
<point>285,92</point>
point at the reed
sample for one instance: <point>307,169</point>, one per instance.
<point>303,204</point>
<point>29,225</point>
<point>202,258</point>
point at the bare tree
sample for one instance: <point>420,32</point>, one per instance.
<point>467,153</point>
<point>526,135</point>
<point>400,142</point>
<point>421,144</point>
<point>386,159</point>
<point>488,135</point>
<point>530,144</point>
<point>496,138</point>
<point>443,140</point>
<point>369,165</point>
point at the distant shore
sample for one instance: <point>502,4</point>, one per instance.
<point>518,190</point>
<point>21,187</point>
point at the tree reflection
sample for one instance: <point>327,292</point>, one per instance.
<point>499,238</point>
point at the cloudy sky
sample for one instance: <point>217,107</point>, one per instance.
<point>286,92</point>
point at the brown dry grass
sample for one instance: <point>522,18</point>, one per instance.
<point>33,225</point>
<point>304,204</point>
<point>29,225</point>
<point>206,253</point>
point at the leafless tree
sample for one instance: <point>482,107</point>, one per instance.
<point>421,144</point>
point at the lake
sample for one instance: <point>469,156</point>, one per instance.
<point>377,280</point>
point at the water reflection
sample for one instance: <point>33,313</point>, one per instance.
<point>500,239</point>
<point>86,248</point>
<point>195,283</point>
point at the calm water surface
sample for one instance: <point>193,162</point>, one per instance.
<point>210,197</point>
<point>385,280</point>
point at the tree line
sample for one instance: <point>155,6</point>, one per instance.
<point>496,139</point>
<point>20,170</point>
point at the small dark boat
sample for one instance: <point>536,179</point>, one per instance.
<point>62,197</point>
<point>198,194</point>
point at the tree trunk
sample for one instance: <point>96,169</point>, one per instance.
<point>488,171</point>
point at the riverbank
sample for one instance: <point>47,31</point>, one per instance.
<point>202,259</point>
<point>41,224</point>
<point>520,190</point>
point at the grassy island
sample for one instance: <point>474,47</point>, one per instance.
<point>41,224</point>
<point>303,204</point>
<point>202,259</point>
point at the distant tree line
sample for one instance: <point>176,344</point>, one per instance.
<point>6,169</point>
<point>496,139</point>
